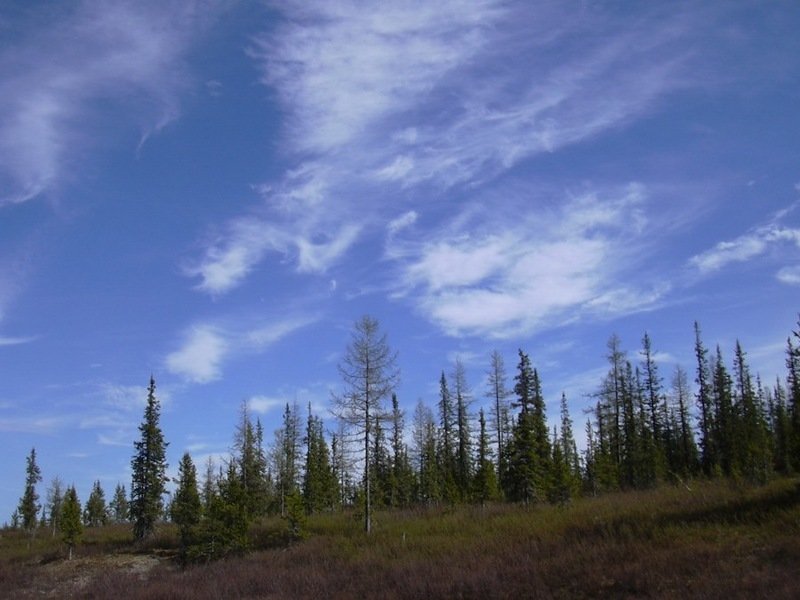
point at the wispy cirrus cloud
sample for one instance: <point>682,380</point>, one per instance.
<point>507,276</point>
<point>55,79</point>
<point>773,237</point>
<point>382,100</point>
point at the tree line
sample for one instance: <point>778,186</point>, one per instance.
<point>640,432</point>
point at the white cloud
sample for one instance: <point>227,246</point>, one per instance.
<point>744,248</point>
<point>265,404</point>
<point>789,275</point>
<point>269,334</point>
<point>506,277</point>
<point>199,359</point>
<point>382,99</point>
<point>53,80</point>
<point>15,341</point>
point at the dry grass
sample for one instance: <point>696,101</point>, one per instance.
<point>716,541</point>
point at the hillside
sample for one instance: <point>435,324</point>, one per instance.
<point>705,540</point>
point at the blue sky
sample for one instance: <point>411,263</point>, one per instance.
<point>213,192</point>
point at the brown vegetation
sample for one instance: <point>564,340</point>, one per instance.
<point>717,540</point>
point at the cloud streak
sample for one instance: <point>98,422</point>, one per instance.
<point>380,101</point>
<point>511,276</point>
<point>206,347</point>
<point>54,79</point>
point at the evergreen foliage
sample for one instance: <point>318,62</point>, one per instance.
<point>319,481</point>
<point>95,512</point>
<point>148,466</point>
<point>70,521</point>
<point>186,508</point>
<point>29,502</point>
<point>118,507</point>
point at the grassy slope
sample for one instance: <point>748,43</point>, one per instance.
<point>715,541</point>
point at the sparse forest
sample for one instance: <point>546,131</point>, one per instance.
<point>660,456</point>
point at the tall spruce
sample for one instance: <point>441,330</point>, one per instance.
<point>687,463</point>
<point>428,485</point>
<point>369,373</point>
<point>529,453</point>
<point>705,406</point>
<point>319,481</point>
<point>29,502</point>
<point>186,508</point>
<point>251,464</point>
<point>286,453</point>
<point>485,480</point>
<point>95,512</point>
<point>463,433</point>
<point>793,393</point>
<point>402,476</point>
<point>446,453</point>
<point>70,521</point>
<point>754,456</point>
<point>149,468</point>
<point>118,507</point>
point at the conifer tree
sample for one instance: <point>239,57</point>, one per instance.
<point>55,498</point>
<point>569,448</point>
<point>753,457</point>
<point>464,442</point>
<point>70,521</point>
<point>425,451</point>
<point>29,503</point>
<point>724,435</point>
<point>319,481</point>
<point>286,454</point>
<point>148,466</point>
<point>251,464</point>
<point>687,462</point>
<point>402,475</point>
<point>446,451</point>
<point>498,394</point>
<point>118,507</point>
<point>485,481</point>
<point>705,406</point>
<point>793,393</point>
<point>95,513</point>
<point>782,431</point>
<point>370,374</point>
<point>186,508</point>
<point>529,453</point>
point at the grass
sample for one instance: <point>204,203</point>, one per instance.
<point>718,540</point>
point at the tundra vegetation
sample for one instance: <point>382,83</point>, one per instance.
<point>680,489</point>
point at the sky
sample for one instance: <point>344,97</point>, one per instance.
<point>213,192</point>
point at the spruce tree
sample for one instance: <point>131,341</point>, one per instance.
<point>446,450</point>
<point>148,466</point>
<point>29,503</point>
<point>464,442</point>
<point>95,513</point>
<point>186,508</point>
<point>428,489</point>
<point>70,521</point>
<point>485,481</point>
<point>402,476</point>
<point>118,506</point>
<point>705,406</point>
